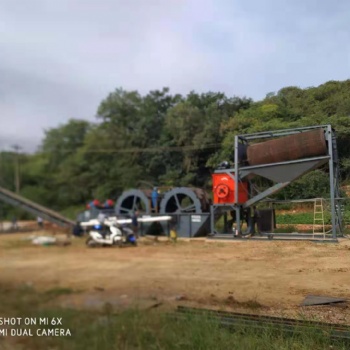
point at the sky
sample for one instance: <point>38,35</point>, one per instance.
<point>60,59</point>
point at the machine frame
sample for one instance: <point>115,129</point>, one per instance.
<point>282,173</point>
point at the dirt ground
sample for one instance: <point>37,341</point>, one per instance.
<point>268,277</point>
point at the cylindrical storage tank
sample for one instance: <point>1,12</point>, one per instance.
<point>297,146</point>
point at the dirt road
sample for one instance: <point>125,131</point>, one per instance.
<point>275,274</point>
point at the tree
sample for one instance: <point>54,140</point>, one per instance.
<point>63,141</point>
<point>169,139</point>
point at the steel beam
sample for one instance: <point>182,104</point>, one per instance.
<point>277,133</point>
<point>266,193</point>
<point>253,167</point>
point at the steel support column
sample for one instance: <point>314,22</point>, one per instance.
<point>331,179</point>
<point>237,207</point>
<point>212,219</point>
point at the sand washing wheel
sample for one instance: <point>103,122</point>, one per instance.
<point>132,200</point>
<point>184,200</point>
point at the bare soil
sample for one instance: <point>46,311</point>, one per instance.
<point>268,277</point>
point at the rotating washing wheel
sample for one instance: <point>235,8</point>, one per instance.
<point>184,200</point>
<point>132,200</point>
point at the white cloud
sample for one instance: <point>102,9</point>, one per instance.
<point>60,58</point>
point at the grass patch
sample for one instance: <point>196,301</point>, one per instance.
<point>300,218</point>
<point>58,291</point>
<point>286,229</point>
<point>252,304</point>
<point>137,329</point>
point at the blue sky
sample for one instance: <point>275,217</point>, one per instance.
<point>59,59</point>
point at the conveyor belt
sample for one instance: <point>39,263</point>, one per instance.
<point>34,208</point>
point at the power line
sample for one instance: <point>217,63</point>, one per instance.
<point>141,150</point>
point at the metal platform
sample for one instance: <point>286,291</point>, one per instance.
<point>276,237</point>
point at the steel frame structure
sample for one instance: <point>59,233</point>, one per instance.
<point>283,173</point>
<point>34,208</point>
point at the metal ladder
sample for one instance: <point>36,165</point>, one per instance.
<point>318,217</point>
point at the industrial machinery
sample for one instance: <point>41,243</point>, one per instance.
<point>132,200</point>
<point>175,200</point>
<point>284,158</point>
<point>224,189</point>
<point>279,157</point>
<point>185,200</point>
<point>190,208</point>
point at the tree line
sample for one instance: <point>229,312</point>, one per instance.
<point>169,140</point>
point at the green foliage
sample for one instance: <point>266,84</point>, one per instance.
<point>311,185</point>
<point>61,142</point>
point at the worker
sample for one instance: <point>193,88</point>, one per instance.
<point>256,220</point>
<point>40,222</point>
<point>14,223</point>
<point>155,199</point>
<point>135,223</point>
<point>108,204</point>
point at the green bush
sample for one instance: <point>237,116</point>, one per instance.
<point>312,185</point>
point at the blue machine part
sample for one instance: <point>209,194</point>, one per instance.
<point>98,227</point>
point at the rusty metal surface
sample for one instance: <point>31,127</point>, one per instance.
<point>292,147</point>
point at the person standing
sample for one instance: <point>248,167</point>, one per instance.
<point>101,218</point>
<point>14,223</point>
<point>40,222</point>
<point>135,223</point>
<point>256,220</point>
<point>155,199</point>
